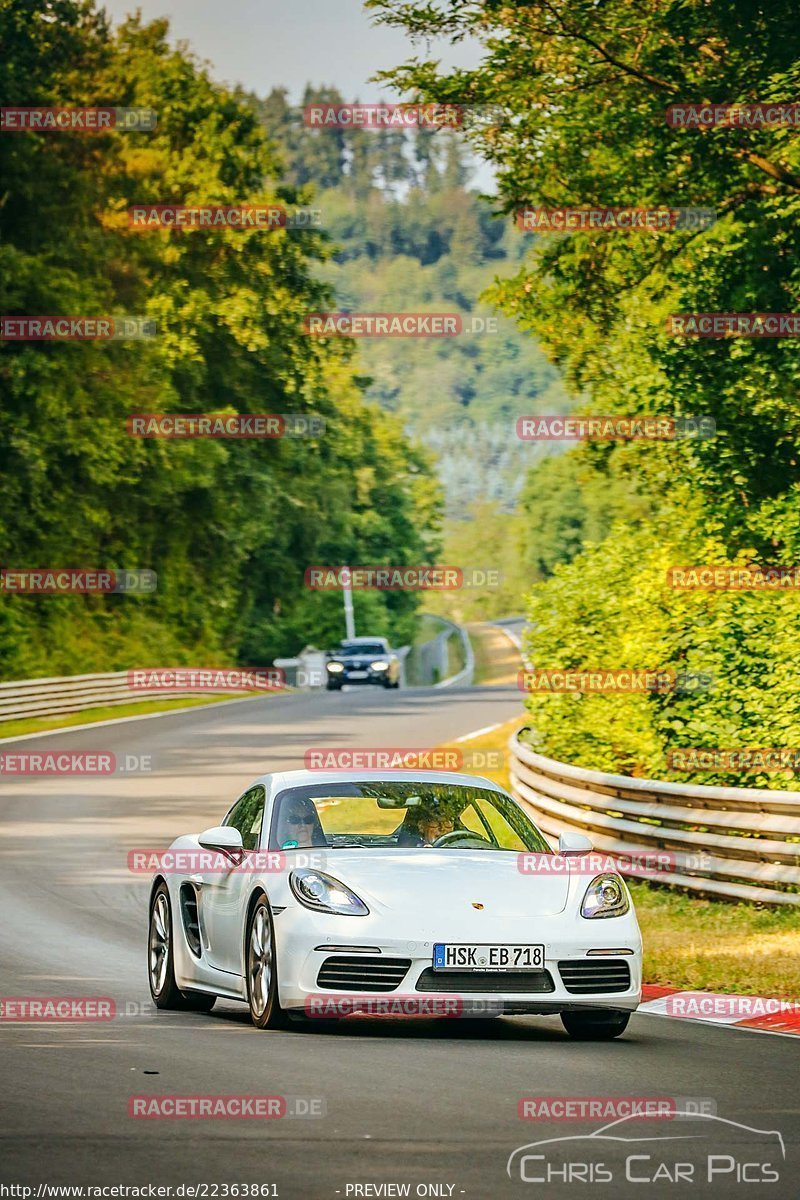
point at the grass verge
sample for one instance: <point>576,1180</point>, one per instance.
<point>139,708</point>
<point>496,657</point>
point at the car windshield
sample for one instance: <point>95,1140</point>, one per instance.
<point>391,815</point>
<point>367,648</point>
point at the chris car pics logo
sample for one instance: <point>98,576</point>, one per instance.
<point>688,1147</point>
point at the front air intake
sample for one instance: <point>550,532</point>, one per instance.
<point>583,977</point>
<point>486,982</point>
<point>362,973</point>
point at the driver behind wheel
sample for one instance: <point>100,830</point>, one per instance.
<point>423,825</point>
<point>432,826</point>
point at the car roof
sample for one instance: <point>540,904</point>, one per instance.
<point>360,641</point>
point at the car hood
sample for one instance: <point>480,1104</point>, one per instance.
<point>426,882</point>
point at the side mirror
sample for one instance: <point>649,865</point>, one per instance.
<point>224,838</point>
<point>574,843</point>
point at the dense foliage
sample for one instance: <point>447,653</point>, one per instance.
<point>228,526</point>
<point>581,92</point>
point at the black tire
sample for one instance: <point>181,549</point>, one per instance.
<point>333,687</point>
<point>160,962</point>
<point>595,1024</point>
<point>387,683</point>
<point>265,1010</point>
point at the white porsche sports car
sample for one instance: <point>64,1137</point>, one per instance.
<point>331,893</point>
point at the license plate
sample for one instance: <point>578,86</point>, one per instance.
<point>357,674</point>
<point>487,957</point>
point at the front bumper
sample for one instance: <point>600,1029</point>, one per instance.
<point>300,958</point>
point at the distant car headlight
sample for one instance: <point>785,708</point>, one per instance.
<point>380,665</point>
<point>323,893</point>
<point>606,896</point>
<point>334,668</point>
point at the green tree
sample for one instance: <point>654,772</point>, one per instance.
<point>580,94</point>
<point>229,527</point>
<point>588,127</point>
<point>571,499</point>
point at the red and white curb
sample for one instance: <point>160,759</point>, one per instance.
<point>768,1014</point>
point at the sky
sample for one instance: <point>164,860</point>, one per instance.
<point>267,43</point>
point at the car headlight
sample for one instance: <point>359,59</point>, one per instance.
<point>334,667</point>
<point>606,896</point>
<point>323,893</point>
<point>380,665</point>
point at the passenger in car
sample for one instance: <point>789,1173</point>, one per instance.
<point>299,825</point>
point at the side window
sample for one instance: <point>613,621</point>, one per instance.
<point>246,816</point>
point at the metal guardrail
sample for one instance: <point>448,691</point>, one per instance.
<point>465,675</point>
<point>738,843</point>
<point>71,693</point>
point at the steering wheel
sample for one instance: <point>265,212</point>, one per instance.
<point>463,835</point>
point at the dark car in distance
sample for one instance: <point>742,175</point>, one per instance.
<point>362,660</point>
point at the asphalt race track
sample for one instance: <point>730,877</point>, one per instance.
<point>427,1104</point>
